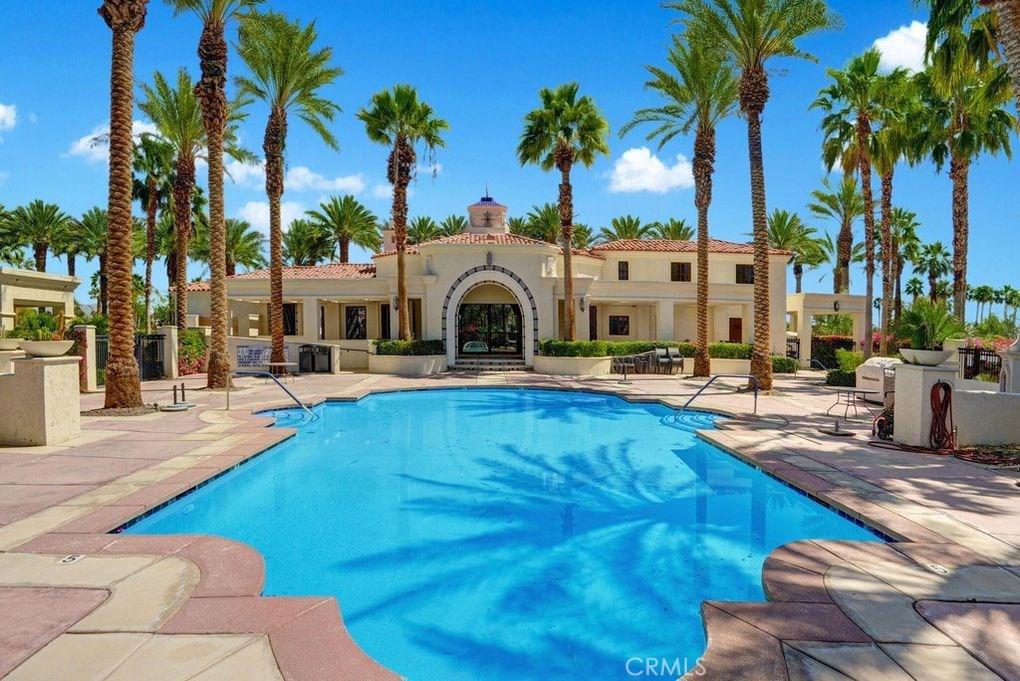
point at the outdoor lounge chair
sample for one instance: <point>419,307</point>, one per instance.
<point>663,362</point>
<point>676,365</point>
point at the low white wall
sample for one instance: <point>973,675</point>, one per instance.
<point>407,365</point>
<point>573,366</point>
<point>727,366</point>
<point>986,418</point>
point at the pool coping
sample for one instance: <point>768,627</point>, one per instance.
<point>225,560</point>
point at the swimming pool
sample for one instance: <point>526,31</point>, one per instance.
<point>506,533</point>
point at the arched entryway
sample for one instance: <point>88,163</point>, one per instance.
<point>490,312</point>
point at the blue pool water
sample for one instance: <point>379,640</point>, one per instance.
<point>507,534</point>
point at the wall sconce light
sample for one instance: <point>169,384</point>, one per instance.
<point>583,303</point>
<point>835,306</point>
<point>488,258</point>
<point>396,303</point>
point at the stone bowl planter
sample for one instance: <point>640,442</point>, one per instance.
<point>7,344</point>
<point>46,348</point>
<point>928,358</point>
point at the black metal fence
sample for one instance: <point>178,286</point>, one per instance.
<point>975,362</point>
<point>148,354</point>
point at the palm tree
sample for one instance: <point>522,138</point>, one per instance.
<point>211,93</point>
<point>672,229</point>
<point>584,238</point>
<point>915,287</point>
<point>750,33</point>
<point>453,224</point>
<point>700,90</point>
<point>789,233</point>
<point>153,161</point>
<point>906,246</point>
<point>948,17</point>
<point>625,227</point>
<point>543,223</point>
<point>964,116</point>
<point>40,225</point>
<point>287,74</point>
<point>10,251</point>
<point>843,205</point>
<point>305,243</point>
<point>347,221</point>
<point>564,130</point>
<point>830,253</point>
<point>934,261</point>
<point>517,225</point>
<point>244,247</point>
<point>91,231</point>
<point>123,386</point>
<point>853,102</point>
<point>421,229</point>
<point>398,119</point>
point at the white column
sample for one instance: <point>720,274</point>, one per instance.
<point>309,319</point>
<point>804,337</point>
<point>169,334</point>
<point>583,320</point>
<point>664,320</point>
<point>859,332</point>
<point>1009,379</point>
<point>913,401</point>
<point>90,356</point>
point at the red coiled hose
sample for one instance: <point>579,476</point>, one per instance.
<point>942,435</point>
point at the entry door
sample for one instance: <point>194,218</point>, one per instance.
<point>736,330</point>
<point>593,322</point>
<point>489,329</point>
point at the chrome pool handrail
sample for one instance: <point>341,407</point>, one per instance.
<point>267,374</point>
<point>710,381</point>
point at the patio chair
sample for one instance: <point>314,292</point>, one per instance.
<point>663,362</point>
<point>676,361</point>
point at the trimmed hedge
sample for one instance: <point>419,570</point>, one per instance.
<point>784,365</point>
<point>408,348</point>
<point>598,348</point>
<point>730,350</point>
<point>842,379</point>
<point>823,348</point>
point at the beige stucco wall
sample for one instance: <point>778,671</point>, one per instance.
<point>39,401</point>
<point>29,289</point>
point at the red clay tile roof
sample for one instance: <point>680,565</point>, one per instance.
<point>333,270</point>
<point>198,286</point>
<point>671,246</point>
<point>471,239</point>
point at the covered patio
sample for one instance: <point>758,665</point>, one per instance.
<point>802,307</point>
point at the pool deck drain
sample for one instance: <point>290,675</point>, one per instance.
<point>942,602</point>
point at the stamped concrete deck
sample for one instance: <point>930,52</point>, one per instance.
<point>942,602</point>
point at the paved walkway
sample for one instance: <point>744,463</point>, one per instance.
<point>942,602</point>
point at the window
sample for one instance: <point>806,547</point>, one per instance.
<point>745,274</point>
<point>623,270</point>
<point>356,318</point>
<point>384,320</point>
<point>679,271</point>
<point>290,319</point>
<point>619,325</point>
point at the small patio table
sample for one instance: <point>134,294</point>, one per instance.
<point>849,398</point>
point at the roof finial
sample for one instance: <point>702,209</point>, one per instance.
<point>487,191</point>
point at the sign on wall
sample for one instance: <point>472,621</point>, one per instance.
<point>253,355</point>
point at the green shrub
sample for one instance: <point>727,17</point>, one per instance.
<point>409,348</point>
<point>849,360</point>
<point>101,322</point>
<point>729,350</point>
<point>191,346</point>
<point>843,379</point>
<point>582,348</point>
<point>34,325</point>
<point>784,365</point>
<point>823,348</point>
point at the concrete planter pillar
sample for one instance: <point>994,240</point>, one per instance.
<point>1009,377</point>
<point>169,334</point>
<point>90,383</point>
<point>40,402</point>
<point>913,401</point>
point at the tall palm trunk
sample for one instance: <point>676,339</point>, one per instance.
<point>754,92</point>
<point>230,267</point>
<point>104,286</point>
<point>345,249</point>
<point>798,275</point>
<point>564,161</point>
<point>71,264</point>
<point>39,251</point>
<point>844,252</point>
<point>123,389</point>
<point>1009,34</point>
<point>863,134</point>
<point>272,145</point>
<point>211,94</point>
<point>401,161</point>
<point>704,162</point>
<point>898,263</point>
<point>959,173</point>
<point>150,246</point>
<point>184,185</point>
<point>887,262</point>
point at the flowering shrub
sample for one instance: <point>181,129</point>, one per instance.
<point>191,357</point>
<point>998,343</point>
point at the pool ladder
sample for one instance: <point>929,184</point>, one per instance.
<point>749,377</point>
<point>270,375</point>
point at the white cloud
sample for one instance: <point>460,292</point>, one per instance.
<point>433,170</point>
<point>257,213</point>
<point>639,170</point>
<point>903,47</point>
<point>301,178</point>
<point>86,148</point>
<point>382,191</point>
<point>247,174</point>
<point>8,118</point>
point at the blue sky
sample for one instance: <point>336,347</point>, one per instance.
<point>480,64</point>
